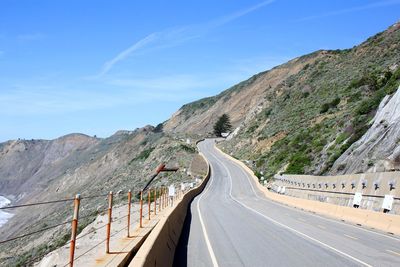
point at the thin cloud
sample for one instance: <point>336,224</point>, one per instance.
<point>46,100</point>
<point>124,54</point>
<point>30,37</point>
<point>28,100</point>
<point>350,10</point>
<point>176,36</point>
<point>241,13</point>
<point>170,83</point>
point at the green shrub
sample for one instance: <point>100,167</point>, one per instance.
<point>324,108</point>
<point>188,148</point>
<point>297,163</point>
<point>341,138</point>
<point>366,106</point>
<point>143,155</point>
<point>369,79</point>
<point>333,104</point>
<point>267,112</point>
<point>355,97</point>
<point>258,174</point>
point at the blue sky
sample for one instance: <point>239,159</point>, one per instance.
<point>96,67</point>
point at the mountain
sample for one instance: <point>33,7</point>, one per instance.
<point>29,165</point>
<point>331,111</point>
<point>301,116</point>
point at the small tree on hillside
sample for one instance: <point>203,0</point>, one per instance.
<point>223,125</point>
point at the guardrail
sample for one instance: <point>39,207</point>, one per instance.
<point>336,192</point>
<point>373,191</point>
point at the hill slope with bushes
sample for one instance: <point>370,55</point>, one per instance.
<point>300,117</point>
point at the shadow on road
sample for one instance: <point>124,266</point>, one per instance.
<point>181,252</point>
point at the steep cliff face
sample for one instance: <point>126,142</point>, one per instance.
<point>25,165</point>
<point>379,148</point>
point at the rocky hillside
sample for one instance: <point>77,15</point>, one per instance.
<point>29,165</point>
<point>300,117</point>
<point>43,170</point>
<point>332,111</point>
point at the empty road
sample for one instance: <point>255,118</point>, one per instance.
<point>231,223</point>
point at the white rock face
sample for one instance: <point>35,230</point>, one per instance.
<point>379,148</point>
<point>233,134</point>
<point>388,110</point>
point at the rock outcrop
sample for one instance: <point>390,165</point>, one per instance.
<point>379,148</point>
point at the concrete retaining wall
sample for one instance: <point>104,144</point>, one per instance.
<point>159,247</point>
<point>340,190</point>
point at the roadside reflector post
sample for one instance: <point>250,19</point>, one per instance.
<point>110,203</point>
<point>148,202</point>
<point>155,201</point>
<point>129,211</point>
<point>74,228</point>
<point>141,208</point>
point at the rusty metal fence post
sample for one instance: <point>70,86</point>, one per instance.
<point>165,197</point>
<point>159,201</point>
<point>164,200</point>
<point>162,197</point>
<point>155,201</point>
<point>129,211</point>
<point>148,202</point>
<point>110,202</point>
<point>74,228</point>
<point>141,208</point>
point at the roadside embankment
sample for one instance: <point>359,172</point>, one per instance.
<point>159,247</point>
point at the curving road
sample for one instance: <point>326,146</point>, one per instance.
<point>232,224</point>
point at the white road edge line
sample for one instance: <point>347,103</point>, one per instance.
<point>391,251</point>
<point>310,213</point>
<point>304,235</point>
<point>288,227</point>
<point>209,247</point>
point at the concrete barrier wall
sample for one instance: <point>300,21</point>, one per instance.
<point>159,247</point>
<point>340,190</point>
<point>382,221</point>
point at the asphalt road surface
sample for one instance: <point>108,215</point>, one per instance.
<point>232,224</point>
